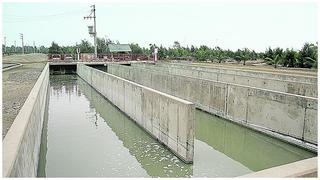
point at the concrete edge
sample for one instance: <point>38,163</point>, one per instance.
<point>12,67</point>
<point>303,168</point>
<point>14,137</point>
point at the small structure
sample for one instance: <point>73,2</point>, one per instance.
<point>120,51</point>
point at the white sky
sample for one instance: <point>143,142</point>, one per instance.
<point>230,25</point>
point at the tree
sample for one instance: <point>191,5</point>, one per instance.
<point>101,45</point>
<point>162,52</point>
<point>176,45</point>
<point>245,55</point>
<point>136,49</point>
<point>290,58</point>
<point>219,54</point>
<point>68,50</point>
<point>42,50</point>
<point>253,55</point>
<point>274,56</point>
<point>203,53</point>
<point>53,49</point>
<point>275,60</point>
<point>308,56</point>
<point>86,47</point>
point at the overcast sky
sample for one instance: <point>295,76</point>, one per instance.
<point>228,25</point>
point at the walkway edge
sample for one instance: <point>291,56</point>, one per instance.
<point>12,67</point>
<point>303,168</point>
<point>21,145</point>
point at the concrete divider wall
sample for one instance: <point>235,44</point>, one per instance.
<point>237,77</point>
<point>264,110</point>
<point>167,118</point>
<point>21,145</point>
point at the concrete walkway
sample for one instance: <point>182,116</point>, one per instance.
<point>17,84</point>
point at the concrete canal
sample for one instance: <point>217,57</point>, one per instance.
<point>84,135</point>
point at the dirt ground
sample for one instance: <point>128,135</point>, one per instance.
<point>17,84</point>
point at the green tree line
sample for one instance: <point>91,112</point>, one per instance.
<point>306,57</point>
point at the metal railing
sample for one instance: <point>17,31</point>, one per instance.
<point>101,57</point>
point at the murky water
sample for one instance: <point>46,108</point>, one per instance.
<point>86,136</point>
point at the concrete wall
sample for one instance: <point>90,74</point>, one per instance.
<point>280,83</point>
<point>267,111</point>
<point>167,118</point>
<point>21,145</point>
<point>303,168</point>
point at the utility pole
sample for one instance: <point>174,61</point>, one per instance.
<point>21,37</point>
<point>93,11</point>
<point>34,47</point>
<point>5,39</point>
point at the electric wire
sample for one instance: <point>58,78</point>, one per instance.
<point>10,18</point>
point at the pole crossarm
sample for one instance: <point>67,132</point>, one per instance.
<point>93,11</point>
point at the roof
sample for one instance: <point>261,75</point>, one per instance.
<point>119,48</point>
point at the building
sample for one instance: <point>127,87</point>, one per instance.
<point>120,51</point>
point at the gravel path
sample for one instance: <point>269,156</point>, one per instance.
<point>17,84</point>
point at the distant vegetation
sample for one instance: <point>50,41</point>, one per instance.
<point>306,57</point>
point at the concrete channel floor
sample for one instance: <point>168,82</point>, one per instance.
<point>17,84</point>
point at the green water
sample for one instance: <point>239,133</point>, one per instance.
<point>86,136</point>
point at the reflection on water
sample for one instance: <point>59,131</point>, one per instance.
<point>252,149</point>
<point>86,136</point>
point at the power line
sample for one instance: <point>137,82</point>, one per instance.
<point>15,19</point>
<point>48,15</point>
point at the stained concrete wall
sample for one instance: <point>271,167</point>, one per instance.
<point>167,118</point>
<point>21,145</point>
<point>282,83</point>
<point>264,110</point>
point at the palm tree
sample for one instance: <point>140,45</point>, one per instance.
<point>274,61</point>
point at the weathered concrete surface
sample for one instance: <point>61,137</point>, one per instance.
<point>262,68</point>
<point>303,168</point>
<point>21,145</point>
<point>169,119</point>
<point>254,72</point>
<point>269,81</point>
<point>264,110</point>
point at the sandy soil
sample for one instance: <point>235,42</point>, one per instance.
<point>17,84</point>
